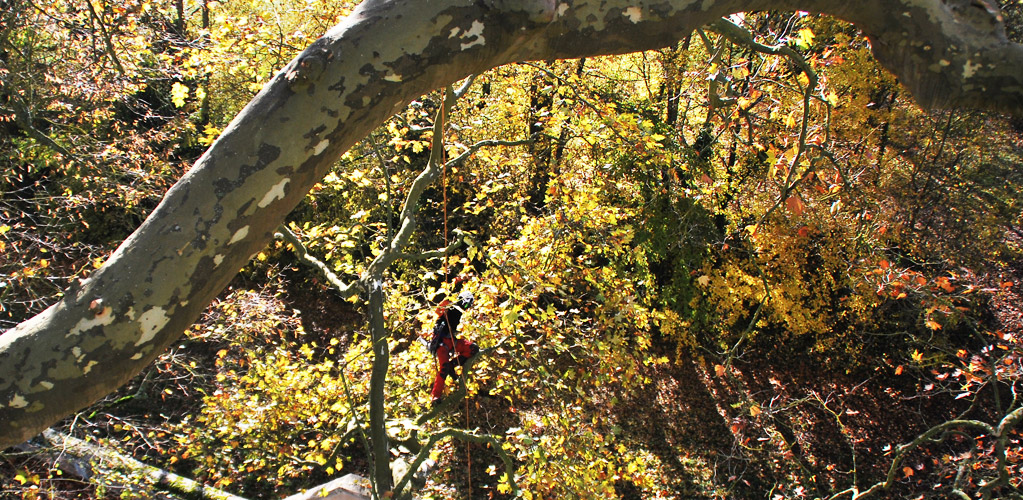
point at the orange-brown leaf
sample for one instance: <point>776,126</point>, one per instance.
<point>795,205</point>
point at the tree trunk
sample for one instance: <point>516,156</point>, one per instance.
<point>87,461</point>
<point>107,328</point>
<point>381,473</point>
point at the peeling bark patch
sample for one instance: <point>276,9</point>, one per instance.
<point>18,401</point>
<point>221,187</point>
<point>104,318</point>
<point>218,259</point>
<point>321,146</point>
<point>151,322</point>
<point>338,87</point>
<point>970,69</point>
<point>239,235</point>
<point>314,132</point>
<point>277,191</point>
<point>268,153</point>
<point>475,31</point>
<point>244,209</point>
<point>634,14</point>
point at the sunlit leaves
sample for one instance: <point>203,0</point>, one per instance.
<point>179,93</point>
<point>670,210</point>
<point>803,39</point>
<point>210,134</point>
<point>832,98</point>
<point>276,412</point>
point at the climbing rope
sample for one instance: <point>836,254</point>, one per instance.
<point>444,217</point>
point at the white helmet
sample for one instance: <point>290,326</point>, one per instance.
<point>465,299</point>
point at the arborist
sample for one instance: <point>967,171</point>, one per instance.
<point>445,342</point>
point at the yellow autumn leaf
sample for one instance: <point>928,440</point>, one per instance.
<point>804,80</point>
<point>804,38</point>
<point>210,134</point>
<point>179,92</point>
<point>832,99</point>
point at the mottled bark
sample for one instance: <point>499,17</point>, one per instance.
<point>108,327</point>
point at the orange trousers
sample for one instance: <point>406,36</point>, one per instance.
<point>446,366</point>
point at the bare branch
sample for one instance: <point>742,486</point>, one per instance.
<point>455,244</point>
<point>472,437</point>
<point>89,460</point>
<point>344,289</point>
<point>903,450</point>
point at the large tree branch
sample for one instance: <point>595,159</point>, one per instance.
<point>23,118</point>
<point>388,52</point>
<point>424,454</point>
<point>1000,435</point>
<point>344,289</point>
<point>89,461</point>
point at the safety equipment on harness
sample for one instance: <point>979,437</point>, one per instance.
<point>440,331</point>
<point>465,300</point>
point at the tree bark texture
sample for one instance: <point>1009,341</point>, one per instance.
<point>106,328</point>
<point>106,466</point>
<point>381,473</point>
